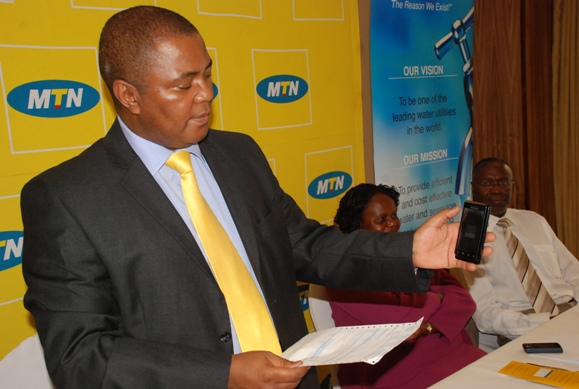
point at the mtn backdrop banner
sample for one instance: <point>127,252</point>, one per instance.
<point>285,72</point>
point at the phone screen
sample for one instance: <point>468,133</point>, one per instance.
<point>472,231</point>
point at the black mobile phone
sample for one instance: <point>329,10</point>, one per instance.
<point>547,347</point>
<point>472,231</point>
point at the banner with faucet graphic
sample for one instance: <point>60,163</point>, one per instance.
<point>421,71</point>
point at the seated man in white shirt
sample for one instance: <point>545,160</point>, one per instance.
<point>504,307</point>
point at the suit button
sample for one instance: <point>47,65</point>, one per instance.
<point>225,337</point>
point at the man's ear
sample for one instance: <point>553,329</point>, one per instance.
<point>128,95</point>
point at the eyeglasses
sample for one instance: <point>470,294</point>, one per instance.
<point>490,184</point>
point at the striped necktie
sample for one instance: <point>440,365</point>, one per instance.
<point>529,278</point>
<point>253,325</point>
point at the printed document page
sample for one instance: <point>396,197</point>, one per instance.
<point>350,344</point>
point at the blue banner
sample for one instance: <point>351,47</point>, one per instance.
<point>421,64</point>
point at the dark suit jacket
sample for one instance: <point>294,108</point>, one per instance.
<point>120,292</point>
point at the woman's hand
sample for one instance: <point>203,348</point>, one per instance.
<point>423,330</point>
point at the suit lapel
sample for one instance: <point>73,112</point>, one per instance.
<point>142,186</point>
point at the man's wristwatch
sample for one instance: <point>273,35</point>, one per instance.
<point>428,328</point>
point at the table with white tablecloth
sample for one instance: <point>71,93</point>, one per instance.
<point>484,373</point>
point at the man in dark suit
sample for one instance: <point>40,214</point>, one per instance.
<point>122,294</point>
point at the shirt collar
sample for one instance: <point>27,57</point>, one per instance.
<point>494,219</point>
<point>152,154</point>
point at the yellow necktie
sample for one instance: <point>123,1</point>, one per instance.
<point>250,316</point>
<point>532,284</point>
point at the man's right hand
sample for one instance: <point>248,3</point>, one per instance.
<point>435,240</point>
<point>262,369</point>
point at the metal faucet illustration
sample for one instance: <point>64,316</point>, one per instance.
<point>457,36</point>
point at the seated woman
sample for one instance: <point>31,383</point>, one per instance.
<point>440,346</point>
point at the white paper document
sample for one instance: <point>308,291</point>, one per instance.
<point>350,344</point>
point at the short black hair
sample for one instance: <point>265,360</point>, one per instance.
<point>485,161</point>
<point>129,39</point>
<point>354,202</point>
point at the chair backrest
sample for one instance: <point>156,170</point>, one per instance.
<point>24,367</point>
<point>321,313</point>
<point>320,309</point>
<point>470,327</point>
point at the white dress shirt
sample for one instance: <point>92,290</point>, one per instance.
<point>496,288</point>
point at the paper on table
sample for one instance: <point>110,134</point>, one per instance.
<point>350,344</point>
<point>543,374</point>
